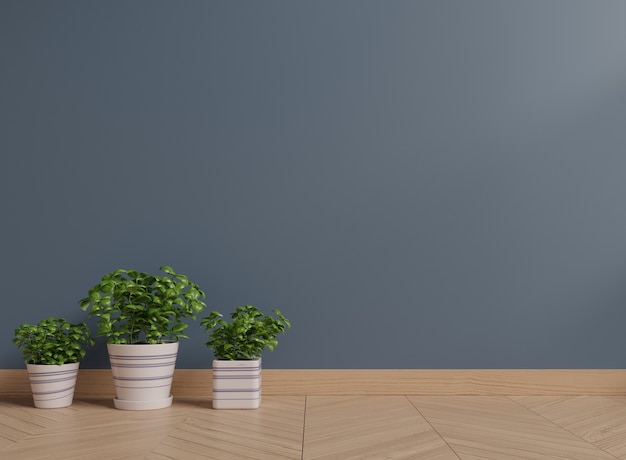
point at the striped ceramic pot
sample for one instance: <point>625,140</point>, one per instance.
<point>236,384</point>
<point>142,374</point>
<point>52,385</point>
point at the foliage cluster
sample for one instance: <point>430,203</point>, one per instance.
<point>247,334</point>
<point>53,341</point>
<point>137,307</point>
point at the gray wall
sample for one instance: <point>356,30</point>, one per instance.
<point>427,184</point>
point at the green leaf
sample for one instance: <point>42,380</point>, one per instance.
<point>84,303</point>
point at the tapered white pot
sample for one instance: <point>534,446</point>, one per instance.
<point>142,374</point>
<point>52,385</point>
<point>236,384</point>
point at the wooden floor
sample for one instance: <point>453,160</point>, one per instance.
<point>323,427</point>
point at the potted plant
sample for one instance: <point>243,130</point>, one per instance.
<point>237,347</point>
<point>52,352</point>
<point>142,316</point>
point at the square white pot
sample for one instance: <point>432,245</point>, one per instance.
<point>236,384</point>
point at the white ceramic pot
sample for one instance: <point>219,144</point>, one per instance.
<point>236,384</point>
<point>52,385</point>
<point>142,374</point>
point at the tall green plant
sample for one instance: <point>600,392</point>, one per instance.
<point>137,307</point>
<point>247,334</point>
<point>53,341</point>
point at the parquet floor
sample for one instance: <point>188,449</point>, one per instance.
<point>323,427</point>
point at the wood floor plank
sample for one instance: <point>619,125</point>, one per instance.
<point>323,428</point>
<point>498,428</point>
<point>93,429</point>
<point>19,419</point>
<point>375,427</point>
<point>596,419</point>
<point>274,431</point>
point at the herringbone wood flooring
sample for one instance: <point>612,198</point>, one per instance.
<point>323,427</point>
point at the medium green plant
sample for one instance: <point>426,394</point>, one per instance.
<point>247,334</point>
<point>53,341</point>
<point>137,307</point>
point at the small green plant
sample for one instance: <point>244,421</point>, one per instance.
<point>247,334</point>
<point>53,341</point>
<point>136,307</point>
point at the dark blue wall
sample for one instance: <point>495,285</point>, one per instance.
<point>428,184</point>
